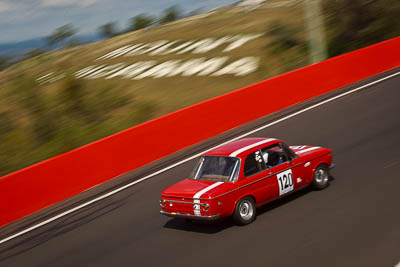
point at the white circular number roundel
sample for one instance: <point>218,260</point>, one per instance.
<point>285,181</point>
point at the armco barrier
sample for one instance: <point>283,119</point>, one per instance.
<point>36,187</point>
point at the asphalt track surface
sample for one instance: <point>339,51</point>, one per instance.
<point>353,222</point>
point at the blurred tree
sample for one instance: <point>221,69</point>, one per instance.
<point>141,21</point>
<point>60,34</point>
<point>195,12</point>
<point>73,42</point>
<point>72,96</point>
<point>283,36</point>
<point>6,123</point>
<point>108,30</point>
<point>34,53</point>
<point>286,41</point>
<point>31,98</point>
<point>143,111</point>
<point>171,14</point>
<point>353,24</point>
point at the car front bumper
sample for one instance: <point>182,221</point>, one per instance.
<point>190,216</point>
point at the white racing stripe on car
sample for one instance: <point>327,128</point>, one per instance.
<point>237,152</point>
<point>308,149</point>
<point>297,147</point>
<point>197,196</point>
<point>117,190</point>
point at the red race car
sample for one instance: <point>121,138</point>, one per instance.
<point>235,178</point>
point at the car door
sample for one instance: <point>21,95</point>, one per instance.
<point>255,179</point>
<point>280,168</point>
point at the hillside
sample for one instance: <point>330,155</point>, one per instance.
<point>19,49</point>
<point>61,100</point>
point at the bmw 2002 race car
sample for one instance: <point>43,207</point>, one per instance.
<point>235,178</point>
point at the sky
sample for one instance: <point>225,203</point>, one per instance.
<point>26,19</point>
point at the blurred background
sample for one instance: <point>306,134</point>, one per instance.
<point>72,72</point>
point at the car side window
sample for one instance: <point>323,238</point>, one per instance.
<point>288,151</point>
<point>274,155</point>
<point>253,164</point>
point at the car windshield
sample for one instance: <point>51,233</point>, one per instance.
<point>216,168</point>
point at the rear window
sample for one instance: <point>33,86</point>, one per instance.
<point>216,168</point>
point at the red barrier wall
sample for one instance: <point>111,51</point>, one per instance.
<point>48,182</point>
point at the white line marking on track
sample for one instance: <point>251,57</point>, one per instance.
<point>190,158</point>
<point>391,164</point>
<point>398,264</point>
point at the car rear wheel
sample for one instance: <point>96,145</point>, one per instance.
<point>321,177</point>
<point>245,211</point>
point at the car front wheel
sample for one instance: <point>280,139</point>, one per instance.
<point>245,211</point>
<point>321,177</point>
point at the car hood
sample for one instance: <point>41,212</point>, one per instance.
<point>188,188</point>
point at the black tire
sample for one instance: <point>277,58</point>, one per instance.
<point>321,177</point>
<point>245,211</point>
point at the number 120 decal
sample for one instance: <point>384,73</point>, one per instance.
<point>285,181</point>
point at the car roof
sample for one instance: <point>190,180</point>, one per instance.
<point>236,148</point>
